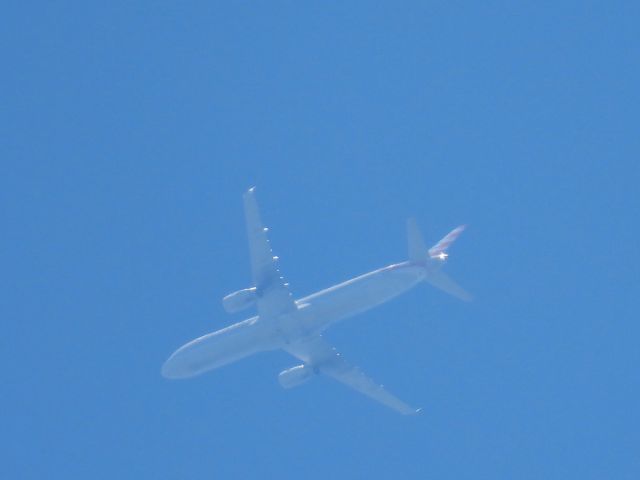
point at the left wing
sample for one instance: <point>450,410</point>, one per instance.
<point>320,356</point>
<point>273,293</point>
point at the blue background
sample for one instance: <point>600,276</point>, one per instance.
<point>130,131</point>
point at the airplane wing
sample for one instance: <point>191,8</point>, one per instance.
<point>274,297</point>
<point>319,355</point>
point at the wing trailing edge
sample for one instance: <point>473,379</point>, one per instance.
<point>273,295</point>
<point>321,357</point>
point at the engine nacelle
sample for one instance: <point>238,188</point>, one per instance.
<point>240,300</point>
<point>295,376</point>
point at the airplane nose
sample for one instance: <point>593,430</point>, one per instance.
<point>172,368</point>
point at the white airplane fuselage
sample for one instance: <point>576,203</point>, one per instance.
<point>314,314</point>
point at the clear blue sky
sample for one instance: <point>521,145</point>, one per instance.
<point>129,131</point>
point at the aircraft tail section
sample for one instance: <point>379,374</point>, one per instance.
<point>417,248</point>
<point>434,257</point>
<point>439,250</point>
<point>444,282</point>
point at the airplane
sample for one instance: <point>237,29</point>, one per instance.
<point>296,326</point>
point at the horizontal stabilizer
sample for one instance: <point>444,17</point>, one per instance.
<point>444,282</point>
<point>417,247</point>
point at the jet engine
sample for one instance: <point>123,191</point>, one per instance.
<point>240,300</point>
<point>295,376</point>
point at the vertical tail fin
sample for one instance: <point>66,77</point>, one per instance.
<point>436,256</point>
<point>439,250</point>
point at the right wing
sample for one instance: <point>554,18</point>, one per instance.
<point>273,293</point>
<point>320,356</point>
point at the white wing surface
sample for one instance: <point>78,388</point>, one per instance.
<point>273,293</point>
<point>323,358</point>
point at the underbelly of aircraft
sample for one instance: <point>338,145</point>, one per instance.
<point>362,293</point>
<point>314,314</point>
<point>217,349</point>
